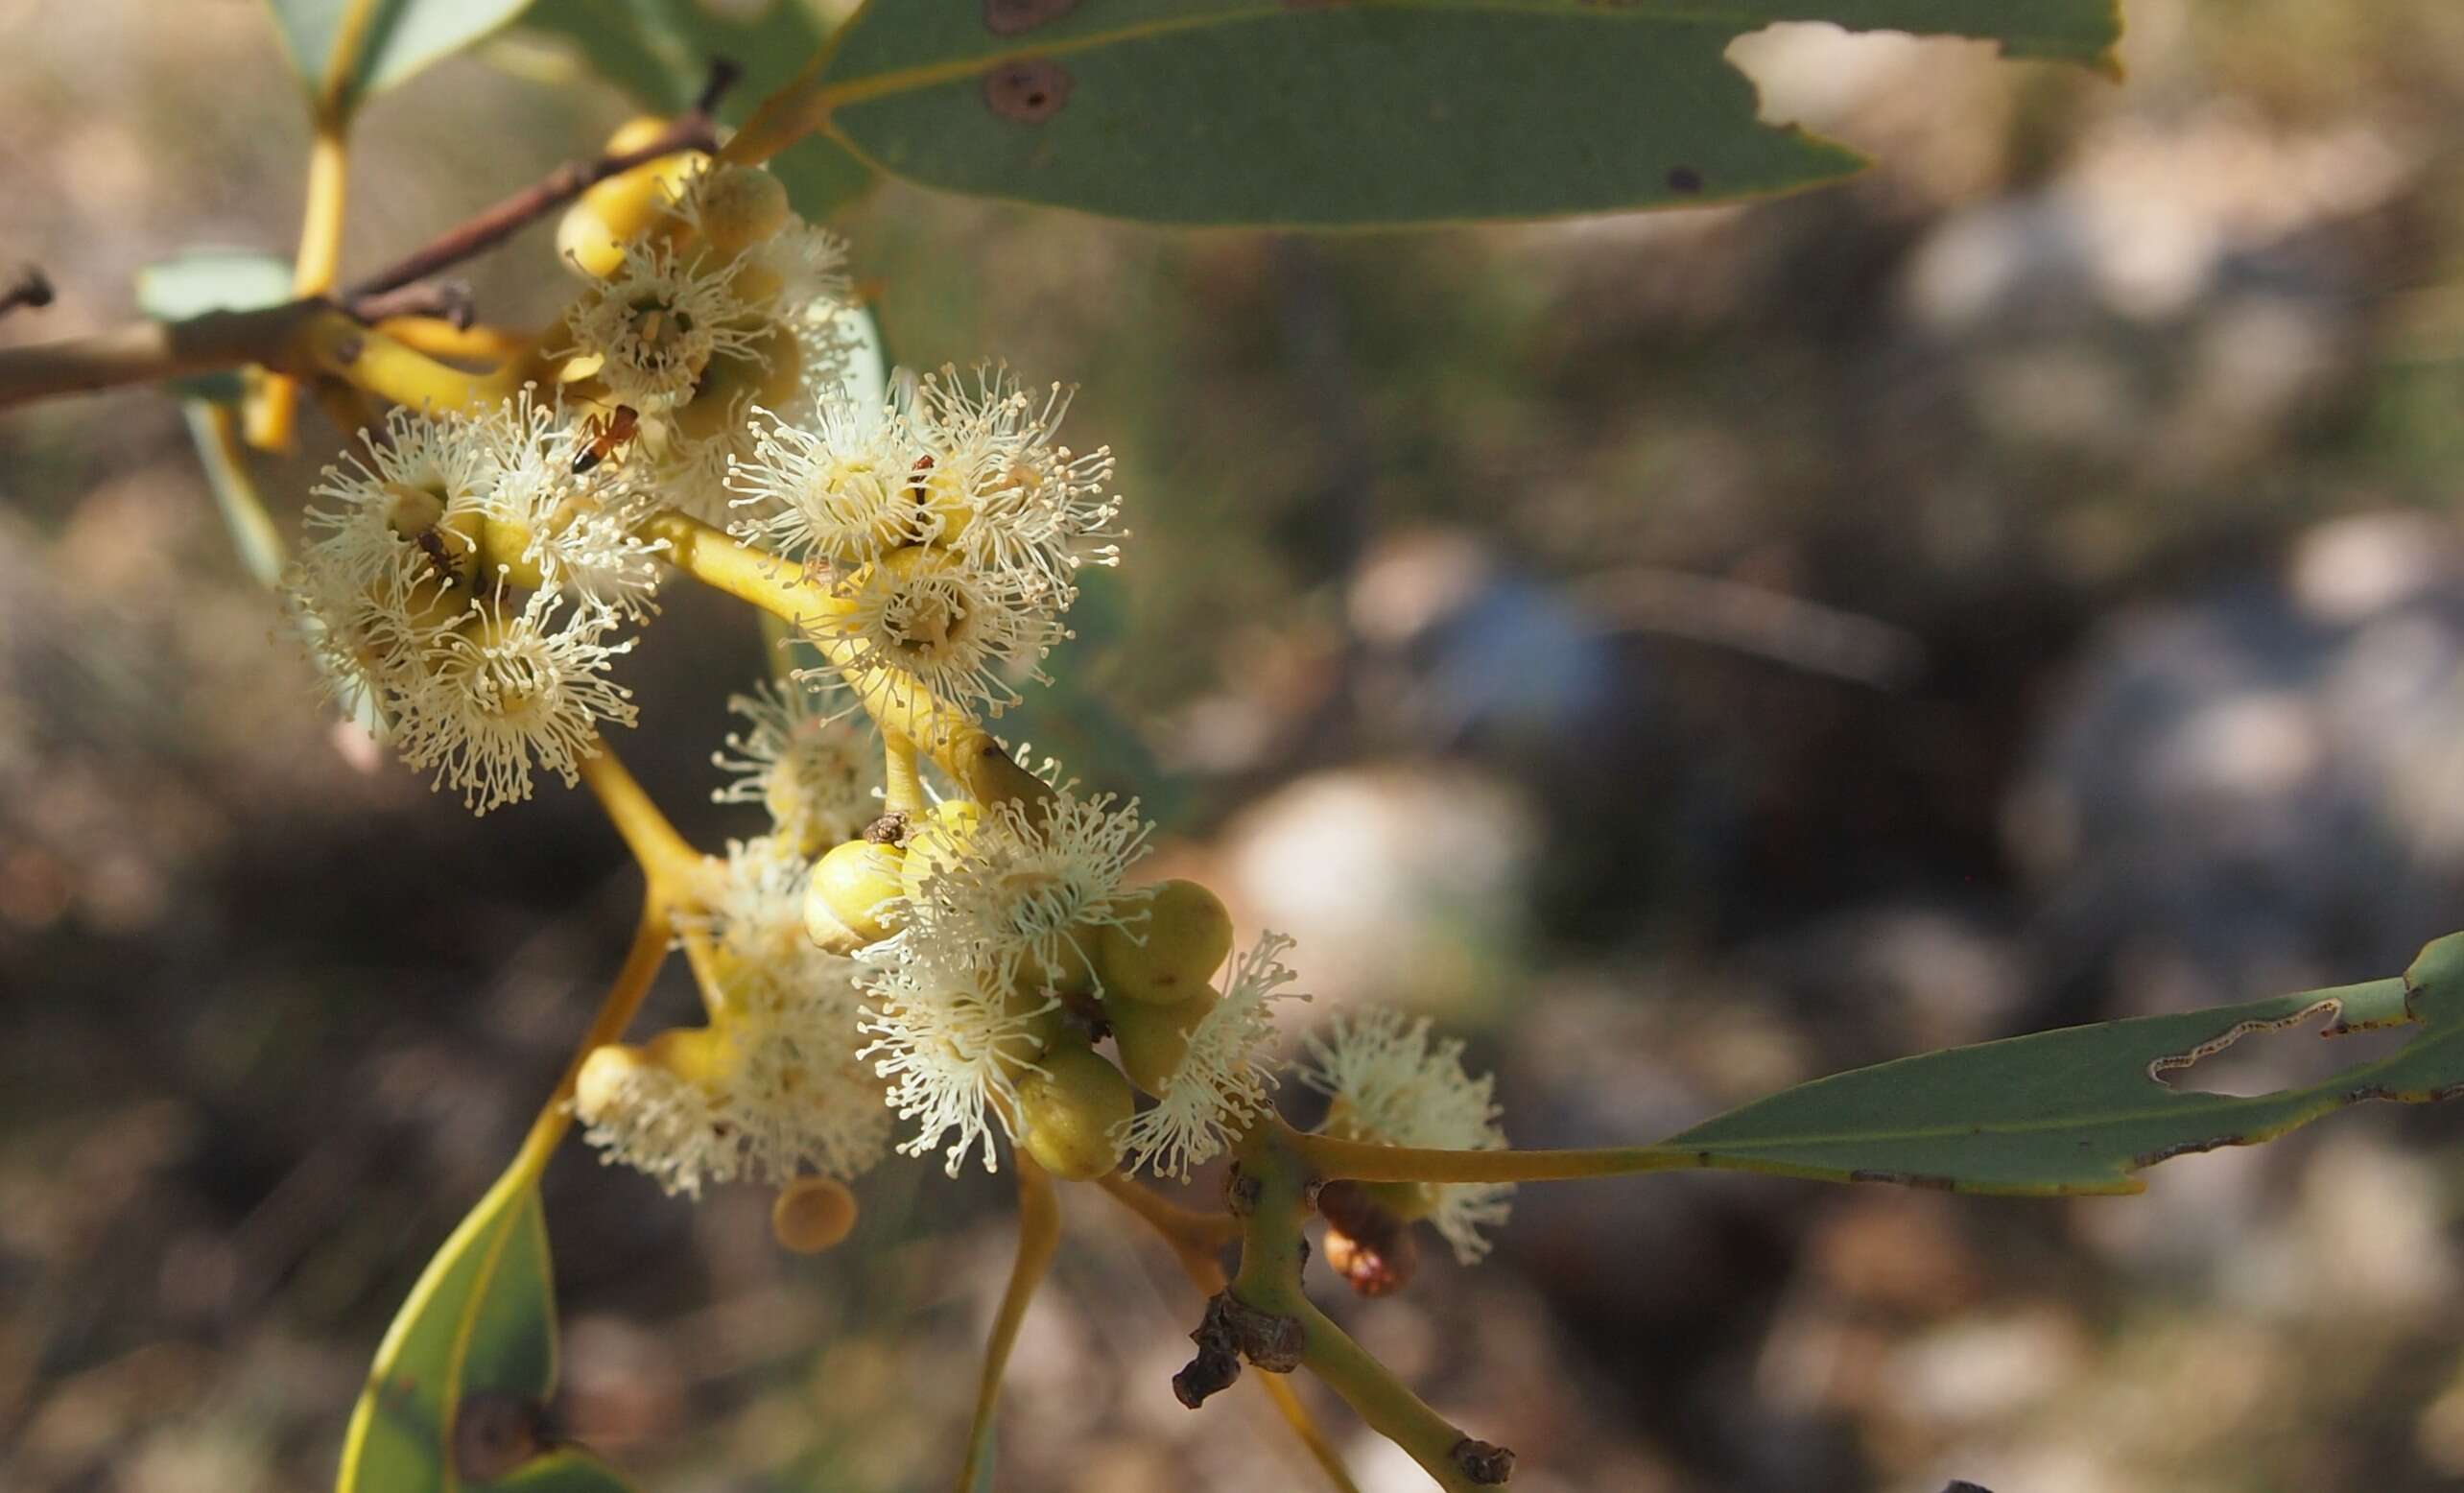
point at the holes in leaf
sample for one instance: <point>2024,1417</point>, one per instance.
<point>1030,91</point>
<point>1010,18</point>
<point>2259,1057</point>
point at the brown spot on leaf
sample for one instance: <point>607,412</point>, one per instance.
<point>494,1434</point>
<point>1010,18</point>
<point>1030,91</point>
<point>1685,178</point>
<point>1939,1184</point>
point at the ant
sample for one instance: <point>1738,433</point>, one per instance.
<point>607,432</point>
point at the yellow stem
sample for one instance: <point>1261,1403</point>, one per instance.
<point>439,338</point>
<point>1359,1161</point>
<point>1193,1239</point>
<point>668,862</point>
<point>1313,1437</point>
<point>1271,1254</point>
<point>334,343</point>
<point>902,778</point>
<point>272,415</point>
<point>1039,1233</point>
<point>897,704</point>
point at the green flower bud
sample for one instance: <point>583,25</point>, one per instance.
<point>1187,936</point>
<point>1068,1111</point>
<point>1152,1039</point>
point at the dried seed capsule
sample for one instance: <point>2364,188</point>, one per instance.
<point>1187,936</point>
<point>812,1214</point>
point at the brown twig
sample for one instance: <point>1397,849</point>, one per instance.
<point>31,289</point>
<point>692,130</point>
<point>446,300</point>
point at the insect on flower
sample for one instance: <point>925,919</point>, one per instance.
<point>607,433</point>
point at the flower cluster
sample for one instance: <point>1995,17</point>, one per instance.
<point>882,955</point>
<point>725,302</point>
<point>1392,1083</point>
<point>948,521</point>
<point>770,1088</point>
<point>464,590</point>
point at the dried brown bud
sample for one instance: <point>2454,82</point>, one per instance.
<point>1483,1463</point>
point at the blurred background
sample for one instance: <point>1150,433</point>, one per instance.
<point>1685,654</point>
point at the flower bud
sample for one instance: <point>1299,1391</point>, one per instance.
<point>1152,1039</point>
<point>741,206</point>
<point>1173,953</point>
<point>859,884</point>
<point>812,1214</point>
<point>1068,1109</point>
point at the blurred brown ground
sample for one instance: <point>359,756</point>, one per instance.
<point>1687,655</point>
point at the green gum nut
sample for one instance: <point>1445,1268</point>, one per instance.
<point>1068,1111</point>
<point>860,884</point>
<point>1152,1039</point>
<point>1170,954</point>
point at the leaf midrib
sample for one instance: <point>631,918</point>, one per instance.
<point>830,95</point>
<point>2288,1098</point>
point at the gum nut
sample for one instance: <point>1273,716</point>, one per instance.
<point>1067,1113</point>
<point>1171,953</point>
<point>601,1079</point>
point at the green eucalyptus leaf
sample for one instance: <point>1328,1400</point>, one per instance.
<point>659,52</point>
<point>455,1397</point>
<point>388,39</point>
<point>200,280</point>
<point>2079,1110</point>
<point>1366,112</point>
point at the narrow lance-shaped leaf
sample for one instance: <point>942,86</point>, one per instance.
<point>456,1397</point>
<point>2079,1110</point>
<point>200,280</point>
<point>1375,111</point>
<point>386,40</point>
<point>659,52</point>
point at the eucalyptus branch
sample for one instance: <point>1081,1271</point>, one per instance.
<point>1330,1159</point>
<point>695,129</point>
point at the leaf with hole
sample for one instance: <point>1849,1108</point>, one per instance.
<point>360,46</point>
<point>659,52</point>
<point>455,1397</point>
<point>2079,1110</point>
<point>1374,111</point>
